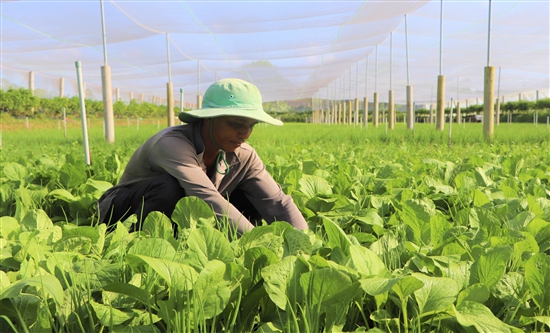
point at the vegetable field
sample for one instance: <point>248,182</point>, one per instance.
<point>409,232</point>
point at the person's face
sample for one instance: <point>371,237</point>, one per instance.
<point>230,132</point>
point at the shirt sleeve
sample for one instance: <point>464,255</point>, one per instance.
<point>268,197</point>
<point>177,157</point>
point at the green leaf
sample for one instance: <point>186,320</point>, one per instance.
<point>282,281</point>
<point>490,266</point>
<point>62,194</point>
<point>179,276</point>
<point>511,288</point>
<point>135,329</point>
<point>108,315</point>
<point>48,283</point>
<point>336,236</point>
<point>313,185</point>
<point>406,286</point>
<point>366,262</point>
<point>28,306</point>
<point>296,242</point>
<point>537,277</point>
<point>328,291</point>
<point>158,225</point>
<point>212,291</point>
<point>206,244</point>
<point>70,176</point>
<point>378,285</point>
<point>79,244</point>
<point>480,198</point>
<point>263,236</point>
<point>15,171</point>
<point>9,226</point>
<point>436,294</point>
<point>153,247</point>
<point>129,290</point>
<point>476,292</point>
<point>36,219</point>
<point>475,314</point>
<point>192,212</point>
<point>255,259</point>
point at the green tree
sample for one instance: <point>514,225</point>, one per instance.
<point>542,104</point>
<point>19,102</point>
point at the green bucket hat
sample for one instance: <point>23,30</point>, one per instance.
<point>230,97</point>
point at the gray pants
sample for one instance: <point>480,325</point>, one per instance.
<point>159,194</point>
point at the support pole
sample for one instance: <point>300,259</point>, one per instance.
<point>497,120</point>
<point>488,103</point>
<point>83,113</point>
<point>108,114</point>
<point>169,88</point>
<point>391,106</point>
<point>391,110</point>
<point>199,96</point>
<point>489,89</point>
<point>458,115</point>
<point>410,108</point>
<point>375,97</point>
<point>375,110</point>
<point>440,106</point>
<point>62,87</point>
<point>366,99</point>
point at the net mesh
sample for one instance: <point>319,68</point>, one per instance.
<point>290,50</point>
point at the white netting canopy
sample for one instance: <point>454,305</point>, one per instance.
<point>289,49</point>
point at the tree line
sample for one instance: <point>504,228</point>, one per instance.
<point>22,103</point>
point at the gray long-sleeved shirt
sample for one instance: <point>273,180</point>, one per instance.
<point>179,150</point>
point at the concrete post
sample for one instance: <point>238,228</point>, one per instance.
<point>375,110</point>
<point>349,111</point>
<point>356,119</point>
<point>440,107</point>
<point>497,111</point>
<point>366,112</point>
<point>199,101</point>
<point>108,114</point>
<point>170,104</point>
<point>391,110</point>
<point>488,102</point>
<point>62,87</point>
<point>458,115</point>
<point>410,108</point>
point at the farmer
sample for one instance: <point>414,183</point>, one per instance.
<point>207,158</point>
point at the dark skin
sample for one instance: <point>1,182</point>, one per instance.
<point>229,133</point>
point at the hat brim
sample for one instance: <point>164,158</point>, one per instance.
<point>256,114</point>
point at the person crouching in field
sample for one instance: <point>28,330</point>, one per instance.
<point>209,158</point>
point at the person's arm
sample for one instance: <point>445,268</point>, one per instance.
<point>177,157</point>
<point>268,197</point>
